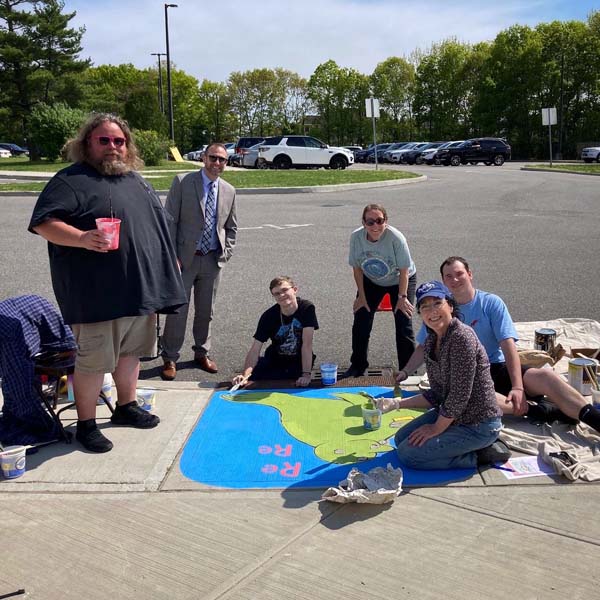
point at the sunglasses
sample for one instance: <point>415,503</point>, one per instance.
<point>377,221</point>
<point>215,158</point>
<point>104,140</point>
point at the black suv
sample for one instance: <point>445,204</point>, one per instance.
<point>489,151</point>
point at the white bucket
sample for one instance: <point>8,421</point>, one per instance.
<point>146,398</point>
<point>12,460</point>
<point>329,373</point>
<point>578,375</point>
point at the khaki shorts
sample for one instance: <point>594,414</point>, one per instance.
<point>100,345</point>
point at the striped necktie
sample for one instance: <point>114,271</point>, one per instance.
<point>209,220</point>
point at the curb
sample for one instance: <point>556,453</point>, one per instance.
<point>317,189</point>
<point>548,170</point>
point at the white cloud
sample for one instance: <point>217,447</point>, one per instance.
<point>210,40</point>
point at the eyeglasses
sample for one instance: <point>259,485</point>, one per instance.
<point>435,305</point>
<point>215,158</point>
<point>280,293</point>
<point>104,140</point>
<point>377,221</point>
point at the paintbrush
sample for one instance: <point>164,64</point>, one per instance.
<point>237,386</point>
<point>591,375</point>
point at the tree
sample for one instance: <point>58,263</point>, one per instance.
<point>38,60</point>
<point>392,83</point>
<point>339,97</point>
<point>51,126</point>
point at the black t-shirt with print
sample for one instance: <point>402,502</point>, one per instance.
<point>285,331</point>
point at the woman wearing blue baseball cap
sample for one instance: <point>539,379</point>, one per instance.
<point>461,429</point>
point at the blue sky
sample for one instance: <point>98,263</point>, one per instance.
<point>212,39</point>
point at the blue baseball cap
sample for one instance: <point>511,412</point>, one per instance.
<point>435,289</point>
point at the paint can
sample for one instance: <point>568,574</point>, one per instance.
<point>146,398</point>
<point>371,417</point>
<point>545,340</point>
<point>578,374</point>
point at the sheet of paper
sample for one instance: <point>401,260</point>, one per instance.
<point>525,466</point>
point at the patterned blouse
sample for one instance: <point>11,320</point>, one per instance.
<point>461,385</point>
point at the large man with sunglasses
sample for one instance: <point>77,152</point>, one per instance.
<point>204,230</point>
<point>110,297</point>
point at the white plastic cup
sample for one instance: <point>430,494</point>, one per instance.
<point>329,373</point>
<point>12,461</point>
<point>146,398</point>
<point>106,388</point>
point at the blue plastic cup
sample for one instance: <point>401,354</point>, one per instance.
<point>329,373</point>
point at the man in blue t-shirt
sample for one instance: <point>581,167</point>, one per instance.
<point>487,314</point>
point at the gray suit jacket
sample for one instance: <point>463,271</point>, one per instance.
<point>185,205</point>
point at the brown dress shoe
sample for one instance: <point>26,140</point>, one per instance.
<point>169,370</point>
<point>206,364</point>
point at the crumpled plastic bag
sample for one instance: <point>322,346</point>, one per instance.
<point>378,486</point>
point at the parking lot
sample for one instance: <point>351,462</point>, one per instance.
<point>531,237</point>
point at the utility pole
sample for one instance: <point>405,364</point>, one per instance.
<point>161,104</point>
<point>169,90</point>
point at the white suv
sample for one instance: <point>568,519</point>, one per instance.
<point>591,154</point>
<point>284,152</point>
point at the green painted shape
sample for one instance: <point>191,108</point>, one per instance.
<point>332,426</point>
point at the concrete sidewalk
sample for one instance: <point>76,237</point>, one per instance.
<point>129,525</point>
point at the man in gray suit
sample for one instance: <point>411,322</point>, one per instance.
<point>204,230</point>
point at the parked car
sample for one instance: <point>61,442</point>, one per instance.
<point>396,155</point>
<point>490,151</point>
<point>353,149</point>
<point>196,154</point>
<point>434,156</point>
<point>392,148</point>
<point>14,149</point>
<point>249,157</point>
<point>284,152</point>
<point>591,154</point>
<point>361,155</point>
<point>381,148</point>
<point>414,156</point>
<point>246,142</point>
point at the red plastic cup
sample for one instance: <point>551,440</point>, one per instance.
<point>110,228</point>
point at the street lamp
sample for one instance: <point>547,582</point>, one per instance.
<point>169,91</point>
<point>161,104</point>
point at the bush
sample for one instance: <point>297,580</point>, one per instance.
<point>153,148</point>
<point>51,125</point>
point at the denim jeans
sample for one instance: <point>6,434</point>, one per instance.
<point>363,323</point>
<point>452,449</point>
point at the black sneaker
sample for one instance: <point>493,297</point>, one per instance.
<point>498,452</point>
<point>91,438</point>
<point>544,411</point>
<point>134,416</point>
<point>354,372</point>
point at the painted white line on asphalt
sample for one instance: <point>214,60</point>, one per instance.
<point>286,226</point>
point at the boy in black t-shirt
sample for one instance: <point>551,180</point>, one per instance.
<point>290,326</point>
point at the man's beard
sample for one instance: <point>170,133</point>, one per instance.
<point>112,167</point>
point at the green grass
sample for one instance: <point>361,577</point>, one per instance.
<point>24,164</point>
<point>574,168</point>
<point>263,179</point>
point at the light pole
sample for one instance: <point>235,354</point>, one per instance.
<point>169,91</point>
<point>161,104</point>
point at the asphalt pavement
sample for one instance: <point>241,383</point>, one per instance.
<point>130,525</point>
<point>530,237</point>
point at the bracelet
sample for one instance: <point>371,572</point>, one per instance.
<point>518,389</point>
<point>403,296</point>
<point>306,372</point>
